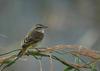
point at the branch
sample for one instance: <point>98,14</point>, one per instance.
<point>72,49</point>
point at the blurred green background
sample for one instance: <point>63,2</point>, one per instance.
<point>69,22</point>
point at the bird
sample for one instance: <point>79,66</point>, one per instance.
<point>31,40</point>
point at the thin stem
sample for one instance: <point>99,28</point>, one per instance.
<point>51,63</point>
<point>9,52</point>
<point>40,63</point>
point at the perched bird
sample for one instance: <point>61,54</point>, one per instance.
<point>30,41</point>
<point>33,38</point>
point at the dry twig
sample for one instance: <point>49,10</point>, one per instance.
<point>74,49</point>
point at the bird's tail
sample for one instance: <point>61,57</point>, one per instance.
<point>22,52</point>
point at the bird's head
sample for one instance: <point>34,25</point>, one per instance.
<point>40,28</point>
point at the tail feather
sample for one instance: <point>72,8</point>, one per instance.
<point>22,52</point>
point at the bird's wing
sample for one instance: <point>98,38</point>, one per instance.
<point>32,38</point>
